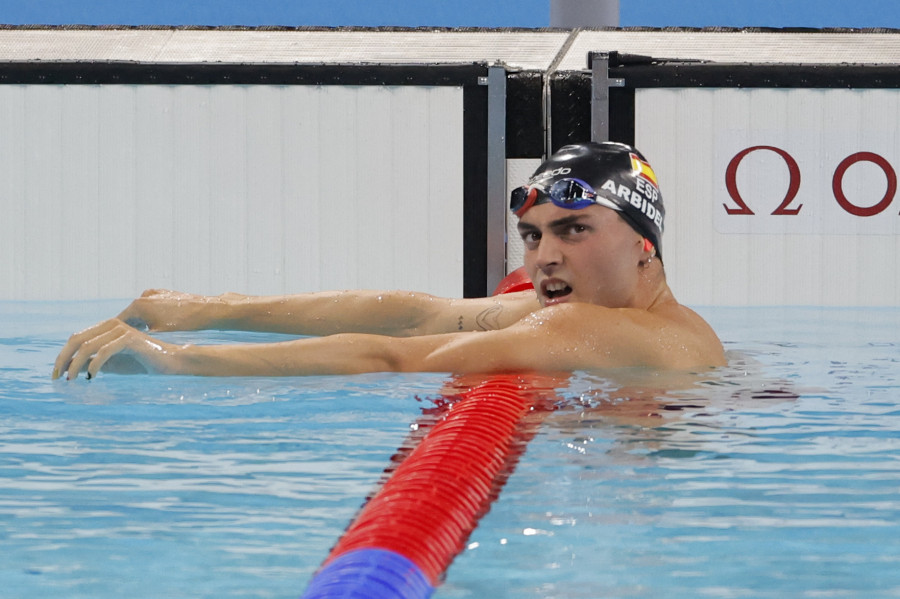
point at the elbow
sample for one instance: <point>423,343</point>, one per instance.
<point>378,353</point>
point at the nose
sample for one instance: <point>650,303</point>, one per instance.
<point>547,255</point>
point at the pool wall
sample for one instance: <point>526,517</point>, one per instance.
<point>278,160</point>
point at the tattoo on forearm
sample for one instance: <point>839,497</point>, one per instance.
<point>489,320</point>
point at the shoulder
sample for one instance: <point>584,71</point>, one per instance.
<point>671,336</point>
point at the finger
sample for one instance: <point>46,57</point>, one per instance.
<point>107,351</point>
<point>150,354</point>
<point>89,348</point>
<point>64,358</point>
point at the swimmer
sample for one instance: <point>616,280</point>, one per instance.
<point>591,218</point>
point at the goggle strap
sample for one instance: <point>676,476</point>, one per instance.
<point>530,199</point>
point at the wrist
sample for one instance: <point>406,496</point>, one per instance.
<point>225,311</point>
<point>187,359</point>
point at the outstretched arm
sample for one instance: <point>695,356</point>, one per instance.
<point>395,313</point>
<point>561,338</point>
<point>113,343</point>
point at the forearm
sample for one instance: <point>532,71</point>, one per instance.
<point>354,353</point>
<point>392,313</point>
<point>314,314</point>
<point>327,313</point>
<point>336,354</point>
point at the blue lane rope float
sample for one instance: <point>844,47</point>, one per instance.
<point>370,574</point>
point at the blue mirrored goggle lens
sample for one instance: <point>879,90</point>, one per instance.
<point>572,194</point>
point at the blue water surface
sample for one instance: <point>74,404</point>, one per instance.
<point>778,476</point>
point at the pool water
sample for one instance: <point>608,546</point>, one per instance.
<point>778,476</point>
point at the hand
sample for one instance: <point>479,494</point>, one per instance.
<point>117,346</point>
<point>164,310</point>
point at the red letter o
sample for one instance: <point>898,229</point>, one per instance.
<point>838,179</point>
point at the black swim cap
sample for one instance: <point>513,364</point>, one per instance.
<point>617,173</point>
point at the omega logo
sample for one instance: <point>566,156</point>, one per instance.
<point>785,208</point>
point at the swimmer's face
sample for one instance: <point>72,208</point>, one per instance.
<point>589,255</point>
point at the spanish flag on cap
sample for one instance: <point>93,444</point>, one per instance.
<point>642,169</point>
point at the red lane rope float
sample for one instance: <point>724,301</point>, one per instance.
<point>405,537</point>
<point>419,520</point>
<point>437,494</point>
<point>517,280</point>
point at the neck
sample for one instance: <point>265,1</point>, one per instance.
<point>653,290</point>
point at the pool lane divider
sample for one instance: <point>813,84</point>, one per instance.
<point>404,538</point>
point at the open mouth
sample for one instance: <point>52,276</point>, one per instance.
<point>556,289</point>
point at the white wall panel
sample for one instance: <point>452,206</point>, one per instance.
<point>114,265</point>
<point>518,171</point>
<point>108,190</point>
<point>823,254</point>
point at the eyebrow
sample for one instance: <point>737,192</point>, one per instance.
<point>526,227</point>
<point>554,224</point>
<point>566,221</point>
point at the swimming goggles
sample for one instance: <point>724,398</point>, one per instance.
<point>572,194</point>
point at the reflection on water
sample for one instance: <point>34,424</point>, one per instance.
<point>774,477</point>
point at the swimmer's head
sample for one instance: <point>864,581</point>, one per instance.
<point>613,175</point>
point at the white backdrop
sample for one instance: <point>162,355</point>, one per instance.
<point>108,190</point>
<point>808,213</point>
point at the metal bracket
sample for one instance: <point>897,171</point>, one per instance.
<point>600,84</point>
<point>496,177</point>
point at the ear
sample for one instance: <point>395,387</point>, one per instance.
<point>648,246</point>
